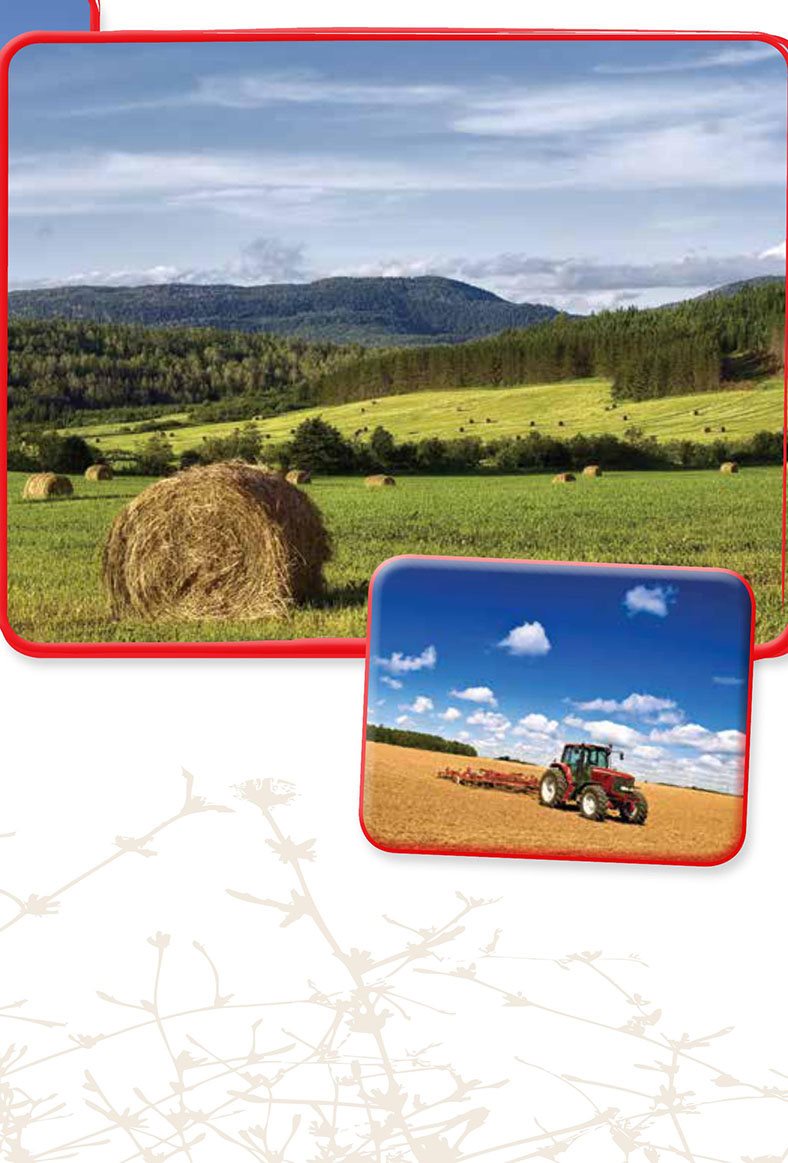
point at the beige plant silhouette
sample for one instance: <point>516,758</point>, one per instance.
<point>328,1074</point>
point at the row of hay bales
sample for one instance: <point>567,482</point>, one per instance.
<point>567,478</point>
<point>42,485</point>
<point>593,470</point>
<point>378,480</point>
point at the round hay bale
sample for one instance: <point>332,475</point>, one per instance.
<point>225,540</point>
<point>592,470</point>
<point>729,466</point>
<point>98,472</point>
<point>560,423</point>
<point>42,486</point>
<point>563,478</point>
<point>707,428</point>
<point>379,481</point>
<point>299,476</point>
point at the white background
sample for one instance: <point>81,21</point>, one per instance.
<point>93,748</point>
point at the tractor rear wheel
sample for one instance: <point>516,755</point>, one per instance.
<point>552,789</point>
<point>635,811</point>
<point>593,802</point>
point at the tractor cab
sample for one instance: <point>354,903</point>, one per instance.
<point>581,758</point>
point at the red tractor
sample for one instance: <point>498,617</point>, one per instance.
<point>584,776</point>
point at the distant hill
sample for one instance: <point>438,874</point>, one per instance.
<point>729,289</point>
<point>375,312</point>
<point>697,345</point>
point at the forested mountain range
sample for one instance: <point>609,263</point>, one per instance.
<point>698,345</point>
<point>58,370</point>
<point>372,311</point>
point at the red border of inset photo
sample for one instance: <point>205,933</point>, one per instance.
<point>593,858</point>
<point>305,647</point>
<point>95,15</point>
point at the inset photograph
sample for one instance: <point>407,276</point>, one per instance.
<point>281,310</point>
<point>553,710</point>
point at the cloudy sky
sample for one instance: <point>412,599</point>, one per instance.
<point>582,175</point>
<point>518,659</point>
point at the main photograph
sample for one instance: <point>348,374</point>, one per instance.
<point>281,310</point>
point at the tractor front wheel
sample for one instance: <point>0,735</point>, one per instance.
<point>593,802</point>
<point>552,789</point>
<point>635,811</point>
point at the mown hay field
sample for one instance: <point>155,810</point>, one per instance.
<point>680,518</point>
<point>579,405</point>
<point>407,807</point>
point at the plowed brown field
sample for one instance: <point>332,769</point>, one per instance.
<point>406,807</point>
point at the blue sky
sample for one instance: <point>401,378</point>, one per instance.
<point>517,659</point>
<point>18,16</point>
<point>580,174</point>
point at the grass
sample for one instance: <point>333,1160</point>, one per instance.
<point>580,404</point>
<point>689,518</point>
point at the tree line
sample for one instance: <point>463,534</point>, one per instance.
<point>323,450</point>
<point>418,739</point>
<point>696,346</point>
<point>58,370</point>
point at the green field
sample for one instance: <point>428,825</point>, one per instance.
<point>580,405</point>
<point>687,518</point>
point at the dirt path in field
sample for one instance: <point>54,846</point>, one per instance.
<point>407,807</point>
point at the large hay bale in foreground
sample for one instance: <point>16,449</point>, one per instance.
<point>217,541</point>
<point>592,470</point>
<point>98,472</point>
<point>299,476</point>
<point>729,466</point>
<point>42,486</point>
<point>379,481</point>
<point>563,478</point>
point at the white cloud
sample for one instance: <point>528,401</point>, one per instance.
<point>777,251</point>
<point>529,639</point>
<point>727,680</point>
<point>528,277</point>
<point>649,600</point>
<point>605,731</point>
<point>492,721</point>
<point>573,110</point>
<point>646,751</point>
<point>451,714</point>
<point>394,683</point>
<point>420,705</point>
<point>696,736</point>
<point>634,704</point>
<point>476,694</point>
<point>304,88</point>
<point>400,663</point>
<point>403,720</point>
<point>728,57</point>
<point>535,723</point>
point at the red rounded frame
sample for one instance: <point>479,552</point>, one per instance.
<point>305,647</point>
<point>586,857</point>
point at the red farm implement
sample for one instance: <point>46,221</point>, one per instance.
<point>485,777</point>
<point>582,777</point>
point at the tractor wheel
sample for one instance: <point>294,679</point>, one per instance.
<point>552,789</point>
<point>636,811</point>
<point>592,802</point>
